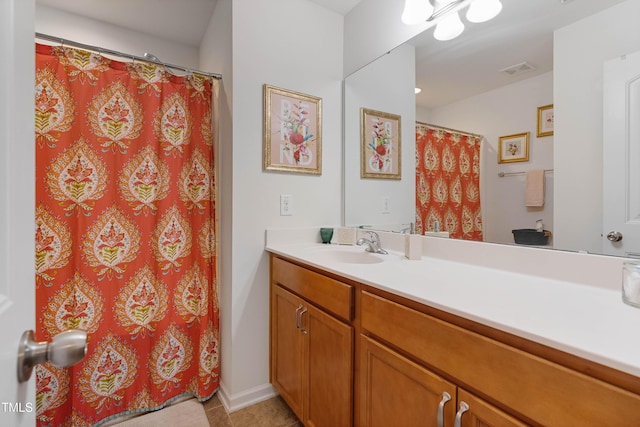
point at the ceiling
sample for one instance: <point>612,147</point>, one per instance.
<point>469,65</point>
<point>446,71</point>
<point>184,21</point>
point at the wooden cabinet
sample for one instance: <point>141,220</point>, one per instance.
<point>287,346</point>
<point>311,350</point>
<point>344,353</point>
<point>394,391</point>
<point>527,387</point>
<point>397,391</point>
<point>478,413</point>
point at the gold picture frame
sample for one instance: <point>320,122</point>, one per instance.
<point>380,145</point>
<point>513,148</point>
<point>292,131</point>
<point>545,121</point>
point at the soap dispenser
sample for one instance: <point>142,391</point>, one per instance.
<point>539,225</point>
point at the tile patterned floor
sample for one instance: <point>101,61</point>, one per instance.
<point>269,413</point>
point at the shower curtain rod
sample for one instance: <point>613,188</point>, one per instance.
<point>473,135</point>
<point>503,174</point>
<point>147,58</point>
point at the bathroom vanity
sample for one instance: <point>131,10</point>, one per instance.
<point>378,340</point>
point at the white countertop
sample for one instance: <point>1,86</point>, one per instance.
<point>588,321</point>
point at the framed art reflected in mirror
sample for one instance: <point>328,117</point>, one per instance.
<point>380,144</point>
<point>545,121</point>
<point>513,148</point>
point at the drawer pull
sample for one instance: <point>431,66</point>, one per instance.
<point>298,316</point>
<point>302,312</point>
<point>464,407</point>
<point>445,398</point>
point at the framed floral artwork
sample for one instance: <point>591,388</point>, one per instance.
<point>292,131</point>
<point>545,121</point>
<point>380,145</point>
<point>513,148</point>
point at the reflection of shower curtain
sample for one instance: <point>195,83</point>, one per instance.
<point>125,234</point>
<point>448,182</point>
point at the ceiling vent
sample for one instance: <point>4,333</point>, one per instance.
<point>518,68</point>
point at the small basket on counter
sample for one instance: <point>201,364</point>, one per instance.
<point>531,236</point>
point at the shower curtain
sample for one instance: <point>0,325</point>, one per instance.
<point>125,234</point>
<point>448,182</point>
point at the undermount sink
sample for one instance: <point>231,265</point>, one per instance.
<point>347,256</point>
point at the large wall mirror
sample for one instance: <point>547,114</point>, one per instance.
<point>491,81</point>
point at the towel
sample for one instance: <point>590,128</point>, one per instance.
<point>534,190</point>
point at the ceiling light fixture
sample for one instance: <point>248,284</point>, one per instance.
<point>450,26</point>
<point>483,10</point>
<point>416,11</point>
<point>442,7</point>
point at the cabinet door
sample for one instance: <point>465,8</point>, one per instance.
<point>398,392</point>
<point>329,354</point>
<point>482,414</point>
<point>287,348</point>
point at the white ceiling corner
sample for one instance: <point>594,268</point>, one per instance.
<point>183,21</point>
<point>339,6</point>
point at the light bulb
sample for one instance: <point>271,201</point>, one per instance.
<point>416,11</point>
<point>449,28</point>
<point>483,10</point>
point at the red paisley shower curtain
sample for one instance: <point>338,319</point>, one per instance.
<point>448,182</point>
<point>125,234</point>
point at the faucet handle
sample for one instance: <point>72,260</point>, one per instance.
<point>373,235</point>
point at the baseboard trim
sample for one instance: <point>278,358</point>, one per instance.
<point>246,398</point>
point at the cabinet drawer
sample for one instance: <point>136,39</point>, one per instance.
<point>531,387</point>
<point>332,295</point>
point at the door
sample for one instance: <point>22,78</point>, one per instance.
<point>329,378</point>
<point>287,365</point>
<point>621,156</point>
<point>17,197</point>
<point>395,391</point>
<point>477,413</point>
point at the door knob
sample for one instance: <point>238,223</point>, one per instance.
<point>65,349</point>
<point>614,236</point>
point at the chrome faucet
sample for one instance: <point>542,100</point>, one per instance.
<point>411,229</point>
<point>373,243</point>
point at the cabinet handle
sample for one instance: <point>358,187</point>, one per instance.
<point>302,312</point>
<point>298,316</point>
<point>464,407</point>
<point>445,398</point>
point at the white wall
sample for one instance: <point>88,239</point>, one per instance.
<point>297,45</point>
<point>508,110</point>
<point>216,53</point>
<point>80,29</point>
<point>580,50</point>
<point>386,85</point>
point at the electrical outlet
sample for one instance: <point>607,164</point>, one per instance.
<point>286,205</point>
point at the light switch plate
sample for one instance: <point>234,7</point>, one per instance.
<point>386,205</point>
